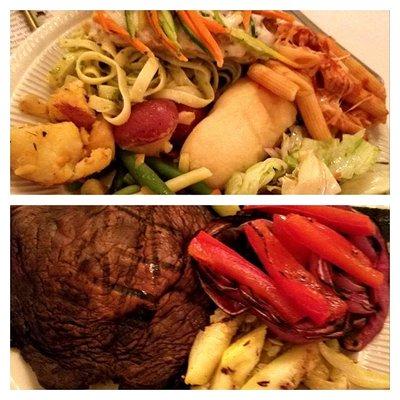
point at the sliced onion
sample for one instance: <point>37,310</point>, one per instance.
<point>355,374</point>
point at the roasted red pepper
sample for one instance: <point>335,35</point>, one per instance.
<point>298,251</point>
<point>333,247</point>
<point>345,221</point>
<point>221,259</point>
<point>316,301</point>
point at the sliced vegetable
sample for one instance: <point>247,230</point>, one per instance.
<point>355,373</point>
<point>143,173</point>
<point>168,25</point>
<point>207,350</point>
<point>110,26</point>
<point>224,261</point>
<point>260,47</point>
<point>214,26</point>
<point>300,253</point>
<point>188,179</point>
<point>246,20</point>
<point>128,179</point>
<point>239,359</point>
<point>340,219</point>
<point>334,248</point>
<point>131,189</point>
<point>291,277</point>
<point>132,22</point>
<point>225,211</point>
<point>195,23</point>
<point>169,171</point>
<point>187,27</point>
<point>276,14</point>
<point>172,46</point>
<point>286,371</point>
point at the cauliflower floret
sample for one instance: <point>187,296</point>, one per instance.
<point>52,154</point>
<point>69,103</point>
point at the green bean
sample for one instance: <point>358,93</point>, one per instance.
<point>131,189</point>
<point>118,181</point>
<point>143,174</point>
<point>169,171</point>
<point>128,179</point>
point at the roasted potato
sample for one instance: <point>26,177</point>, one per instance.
<point>239,359</point>
<point>69,103</point>
<point>286,371</point>
<point>53,154</point>
<point>207,351</point>
<point>149,127</point>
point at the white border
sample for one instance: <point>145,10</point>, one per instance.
<point>393,199</point>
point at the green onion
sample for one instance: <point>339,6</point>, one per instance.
<point>131,189</point>
<point>169,171</point>
<point>143,174</point>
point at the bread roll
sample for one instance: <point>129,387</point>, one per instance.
<point>244,121</point>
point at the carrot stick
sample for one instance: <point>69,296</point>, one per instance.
<point>213,26</point>
<point>110,26</point>
<point>187,21</point>
<point>246,20</point>
<point>276,14</point>
<point>206,37</point>
<point>155,24</point>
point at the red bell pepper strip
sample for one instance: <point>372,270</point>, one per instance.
<point>345,221</point>
<point>333,247</point>
<point>291,277</point>
<point>221,259</point>
<point>298,251</point>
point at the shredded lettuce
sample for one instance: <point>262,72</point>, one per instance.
<point>346,158</point>
<point>375,181</point>
<point>256,177</point>
<point>309,166</point>
<point>311,176</point>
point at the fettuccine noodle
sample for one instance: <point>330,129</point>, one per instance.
<point>115,80</point>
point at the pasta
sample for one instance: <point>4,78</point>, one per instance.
<point>368,102</point>
<point>314,120</point>
<point>299,55</point>
<point>273,81</point>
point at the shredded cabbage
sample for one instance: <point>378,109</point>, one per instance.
<point>256,177</point>
<point>375,181</point>
<point>311,176</point>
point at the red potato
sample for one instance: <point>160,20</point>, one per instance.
<point>183,130</point>
<point>149,127</point>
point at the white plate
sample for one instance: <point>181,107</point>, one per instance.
<point>31,64</point>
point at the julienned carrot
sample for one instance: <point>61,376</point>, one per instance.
<point>246,19</point>
<point>173,47</point>
<point>206,37</point>
<point>213,26</point>
<point>110,26</point>
<point>276,14</point>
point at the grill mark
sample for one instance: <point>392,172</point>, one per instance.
<point>142,219</point>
